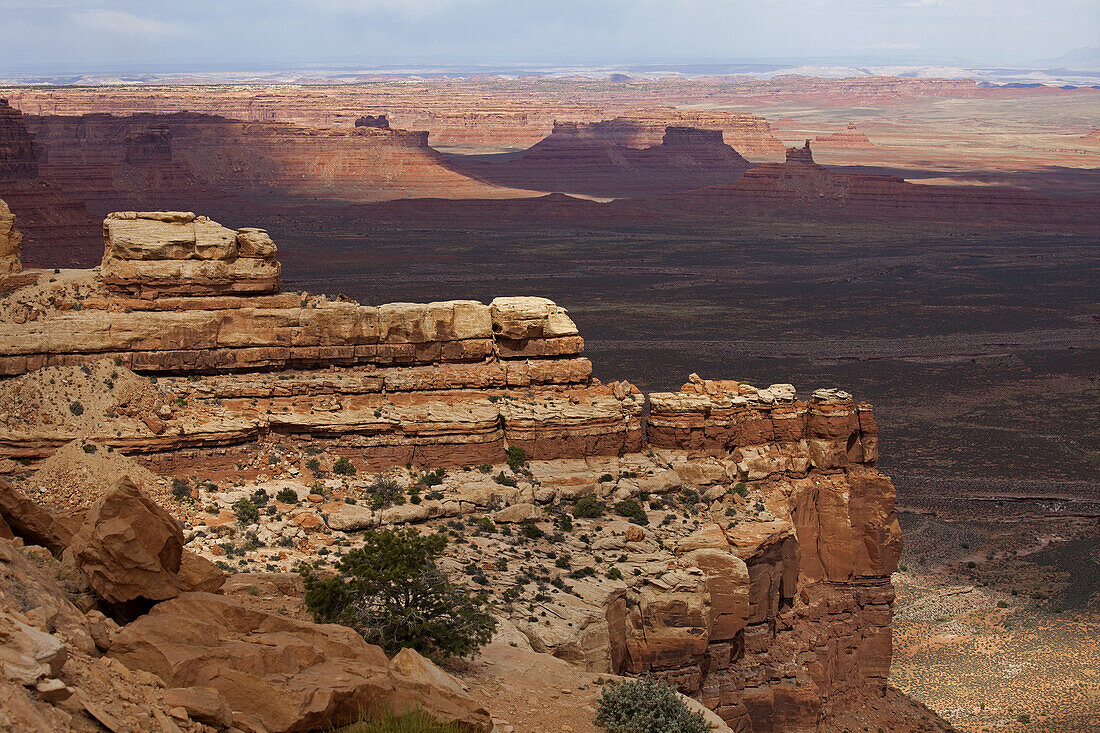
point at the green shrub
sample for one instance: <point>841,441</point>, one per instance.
<point>76,408</point>
<point>615,574</point>
<point>632,510</point>
<point>504,480</point>
<point>646,705</point>
<point>246,511</point>
<point>391,591</point>
<point>606,478</point>
<point>314,467</point>
<point>260,497</point>
<point>588,507</point>
<point>88,448</point>
<point>343,467</point>
<point>287,495</point>
<point>429,479</point>
<point>517,458</point>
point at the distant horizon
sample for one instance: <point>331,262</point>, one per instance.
<point>74,37</point>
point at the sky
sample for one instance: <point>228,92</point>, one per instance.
<point>154,35</point>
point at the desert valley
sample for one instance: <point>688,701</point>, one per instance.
<point>782,391</point>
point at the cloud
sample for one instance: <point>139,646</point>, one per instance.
<point>117,21</point>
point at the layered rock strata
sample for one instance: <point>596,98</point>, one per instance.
<point>754,573</point>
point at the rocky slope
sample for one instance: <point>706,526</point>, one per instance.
<point>737,541</point>
<point>603,159</point>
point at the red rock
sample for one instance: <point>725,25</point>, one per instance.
<point>282,674</point>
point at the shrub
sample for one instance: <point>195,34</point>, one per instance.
<point>429,479</point>
<point>632,510</point>
<point>343,467</point>
<point>384,491</point>
<point>314,466</point>
<point>517,458</point>
<point>606,478</point>
<point>646,705</point>
<point>615,574</point>
<point>88,448</point>
<point>181,489</point>
<point>391,591</point>
<point>76,408</point>
<point>260,497</point>
<point>530,530</point>
<point>287,495</point>
<point>504,480</point>
<point>588,507</point>
<point>246,511</point>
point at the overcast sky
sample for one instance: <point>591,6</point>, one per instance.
<point>134,35</point>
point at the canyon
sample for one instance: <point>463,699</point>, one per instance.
<point>758,581</point>
<point>932,249</point>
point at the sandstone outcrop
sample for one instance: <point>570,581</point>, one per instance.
<point>10,240</point>
<point>153,254</point>
<point>278,674</point>
<point>611,159</point>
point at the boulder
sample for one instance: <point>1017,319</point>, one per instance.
<point>517,513</point>
<point>350,517</point>
<point>132,550</point>
<point>32,523</point>
<point>255,243</point>
<point>420,683</point>
<point>282,675</point>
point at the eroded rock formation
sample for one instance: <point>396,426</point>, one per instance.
<point>611,159</point>
<point>850,138</point>
<point>768,598</point>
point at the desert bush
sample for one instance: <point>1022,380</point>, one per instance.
<point>392,592</point>
<point>505,480</point>
<point>246,511</point>
<point>588,507</point>
<point>287,495</point>
<point>385,491</point>
<point>181,489</point>
<point>343,467</point>
<point>632,510</point>
<point>646,705</point>
<point>517,458</point>
<point>76,408</point>
<point>260,497</point>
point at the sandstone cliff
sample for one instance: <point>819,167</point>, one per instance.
<point>166,160</point>
<point>743,550</point>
